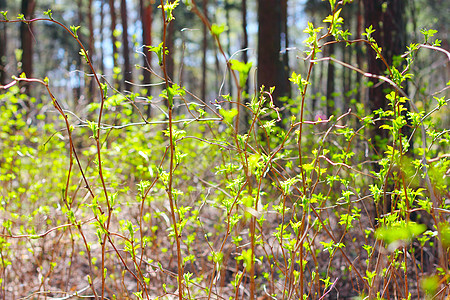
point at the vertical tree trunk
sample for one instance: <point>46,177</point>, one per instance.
<point>128,76</point>
<point>244,30</point>
<point>244,115</point>
<point>359,54</point>
<point>91,30</point>
<point>204,46</point>
<point>347,52</point>
<point>146,19</point>
<point>112,12</point>
<point>3,47</point>
<point>26,38</point>
<point>389,34</point>
<point>285,44</point>
<point>91,50</point>
<point>227,17</point>
<point>271,70</point>
<point>78,88</point>
<point>330,82</point>
<point>347,76</point>
<point>389,25</point>
<point>102,24</point>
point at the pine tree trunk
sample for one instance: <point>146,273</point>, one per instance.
<point>271,71</point>
<point>331,104</point>
<point>128,76</point>
<point>285,32</point>
<point>3,47</point>
<point>204,50</point>
<point>26,37</point>
<point>112,12</point>
<point>389,25</point>
<point>102,22</point>
<point>227,17</point>
<point>91,50</point>
<point>146,19</point>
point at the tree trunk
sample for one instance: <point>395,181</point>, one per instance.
<point>244,30</point>
<point>112,12</point>
<point>102,24</point>
<point>78,64</point>
<point>227,17</point>
<point>331,104</point>
<point>271,70</point>
<point>204,47</point>
<point>26,38</point>
<point>128,76</point>
<point>146,19</point>
<point>347,56</point>
<point>359,53</point>
<point>285,44</point>
<point>91,50</point>
<point>389,33</point>
<point>3,47</point>
<point>244,114</point>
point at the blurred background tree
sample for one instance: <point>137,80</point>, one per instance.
<point>270,31</point>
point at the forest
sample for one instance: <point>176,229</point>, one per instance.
<point>224,149</point>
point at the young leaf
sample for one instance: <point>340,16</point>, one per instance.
<point>218,29</point>
<point>4,14</point>
<point>74,30</point>
<point>242,68</point>
<point>48,13</point>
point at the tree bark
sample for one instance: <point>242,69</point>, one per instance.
<point>271,71</point>
<point>204,48</point>
<point>128,75</point>
<point>102,22</point>
<point>359,53</point>
<point>26,38</point>
<point>285,44</point>
<point>227,17</point>
<point>389,25</point>
<point>330,82</point>
<point>3,47</point>
<point>112,12</point>
<point>146,19</point>
<point>91,50</point>
<point>245,88</point>
<point>244,30</point>
<point>78,63</point>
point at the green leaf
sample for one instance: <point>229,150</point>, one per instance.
<point>445,235</point>
<point>399,233</point>
<point>332,4</point>
<point>228,115</point>
<point>427,33</point>
<point>441,101</point>
<point>169,8</point>
<point>74,30</point>
<point>430,284</point>
<point>218,29</point>
<point>84,54</point>
<point>48,13</point>
<point>93,126</point>
<point>4,14</point>
<point>368,33</point>
<point>242,68</point>
<point>172,91</point>
<point>159,51</point>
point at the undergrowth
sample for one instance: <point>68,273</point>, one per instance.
<point>107,204</point>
